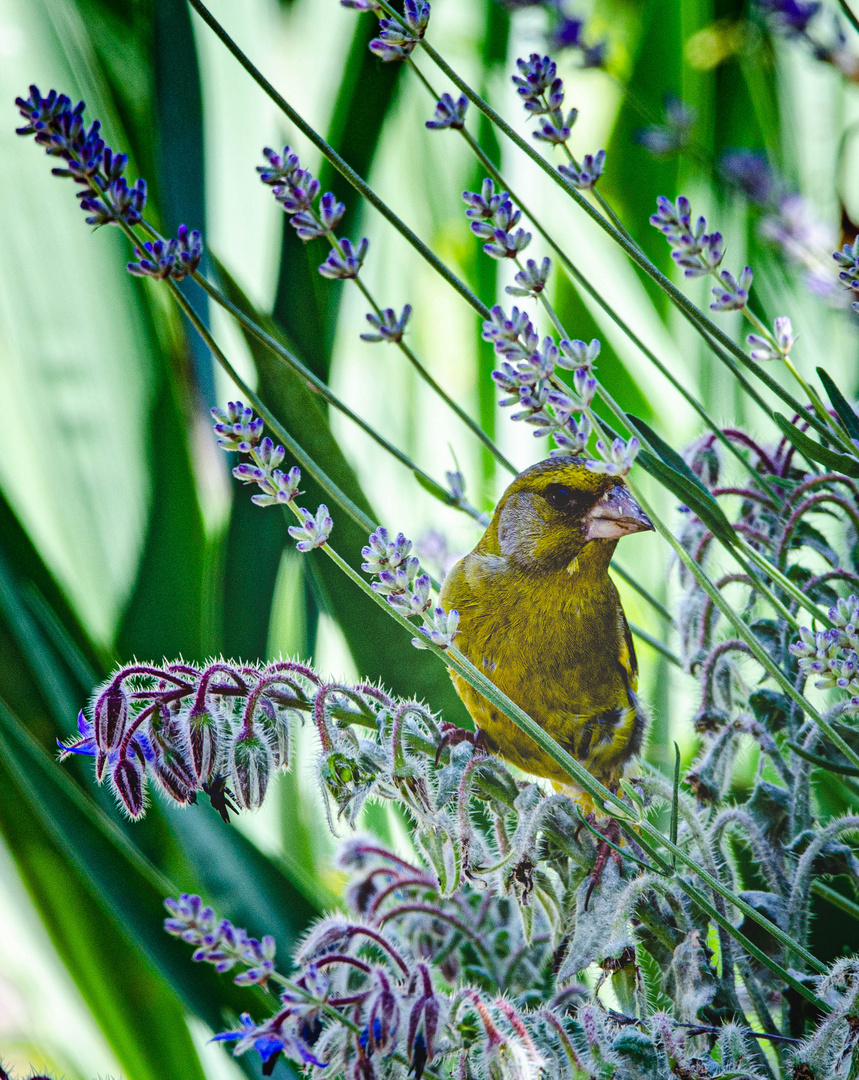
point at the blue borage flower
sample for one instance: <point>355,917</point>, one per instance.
<point>270,1039</point>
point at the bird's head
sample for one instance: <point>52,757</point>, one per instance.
<point>554,510</point>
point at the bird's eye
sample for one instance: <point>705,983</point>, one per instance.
<point>559,496</point>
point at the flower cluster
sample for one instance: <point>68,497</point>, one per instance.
<point>398,37</point>
<point>833,654</point>
<point>848,260</point>
<point>239,431</point>
<point>169,258</point>
<point>220,943</point>
<point>568,33</point>
<point>674,134</point>
<point>527,375</point>
<point>542,94</point>
<point>58,127</point>
<point>777,345</point>
<point>696,251</point>
<point>788,220</point>
<point>794,19</point>
<point>297,189</point>
<point>584,177</point>
<point>107,198</point>
<point>406,587</point>
<point>449,113</point>
<point>193,729</point>
<point>494,219</point>
<point>464,957</point>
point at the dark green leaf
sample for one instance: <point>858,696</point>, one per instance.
<point>842,406</point>
<point>812,450</point>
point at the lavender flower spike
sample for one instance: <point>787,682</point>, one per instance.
<point>169,258</point>
<point>314,530</point>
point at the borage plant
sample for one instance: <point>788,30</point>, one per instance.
<point>490,947</point>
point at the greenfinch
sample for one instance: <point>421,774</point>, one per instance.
<point>540,617</point>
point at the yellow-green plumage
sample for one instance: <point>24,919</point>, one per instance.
<point>541,618</point>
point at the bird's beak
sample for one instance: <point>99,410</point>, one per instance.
<point>616,514</point>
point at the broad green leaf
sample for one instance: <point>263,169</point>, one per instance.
<point>94,908</point>
<point>831,459</point>
<point>670,469</point>
<point>842,406</point>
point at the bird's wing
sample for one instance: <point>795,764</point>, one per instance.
<point>627,658</point>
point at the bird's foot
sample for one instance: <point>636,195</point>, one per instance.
<point>609,830</point>
<point>451,735</point>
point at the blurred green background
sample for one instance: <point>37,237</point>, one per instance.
<point>122,533</point>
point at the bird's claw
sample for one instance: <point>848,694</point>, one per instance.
<point>451,735</point>
<point>610,831</point>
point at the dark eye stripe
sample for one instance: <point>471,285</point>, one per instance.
<point>561,497</point>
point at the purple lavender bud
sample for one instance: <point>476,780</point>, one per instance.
<point>411,603</point>
<point>396,39</point>
<point>314,530</point>
<point>361,5</point>
<point>485,204</point>
<point>556,129</point>
<point>260,955</point>
<point>388,326</point>
<point>532,280</point>
<point>674,134</point>
<point>585,177</point>
<point>440,629</point>
<point>750,172</point>
<point>536,76</point>
<point>237,428</point>
<point>617,459</point>
<point>790,16</point>
<point>732,294</point>
<point>576,354</point>
<point>449,113</point>
<point>299,194</point>
<point>110,717</point>
<point>280,167</point>
<point>250,764</point>
<point>346,264</point>
<point>585,386</point>
<point>162,259</point>
<point>507,245</point>
<point>127,781</point>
